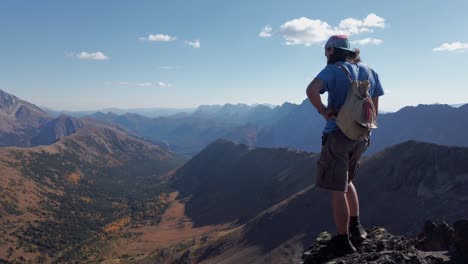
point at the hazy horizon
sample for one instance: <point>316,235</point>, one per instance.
<point>47,108</point>
<point>194,108</point>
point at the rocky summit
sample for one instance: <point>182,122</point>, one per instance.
<point>437,244</point>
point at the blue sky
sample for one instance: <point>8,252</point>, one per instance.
<point>84,55</point>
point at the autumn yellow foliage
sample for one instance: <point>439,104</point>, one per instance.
<point>74,178</point>
<point>86,199</point>
<point>116,225</point>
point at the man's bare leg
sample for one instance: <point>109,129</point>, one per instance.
<point>340,212</point>
<point>357,232</point>
<point>353,201</point>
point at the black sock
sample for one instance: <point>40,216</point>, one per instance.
<point>354,221</point>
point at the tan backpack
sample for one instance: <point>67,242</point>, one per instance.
<point>357,116</point>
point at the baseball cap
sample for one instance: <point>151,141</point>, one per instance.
<point>339,42</point>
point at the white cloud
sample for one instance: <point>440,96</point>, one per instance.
<point>367,41</point>
<point>195,44</point>
<point>91,56</point>
<point>455,46</point>
<point>353,26</point>
<point>158,38</point>
<point>305,31</point>
<point>372,20</point>
<point>147,84</point>
<point>163,84</point>
<point>266,32</point>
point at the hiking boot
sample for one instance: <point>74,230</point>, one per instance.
<point>357,233</point>
<point>340,245</point>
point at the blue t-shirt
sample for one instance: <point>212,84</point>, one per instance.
<point>337,84</point>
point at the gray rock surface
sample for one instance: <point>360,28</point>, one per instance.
<point>438,243</point>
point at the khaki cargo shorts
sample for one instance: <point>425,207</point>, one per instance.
<point>339,161</point>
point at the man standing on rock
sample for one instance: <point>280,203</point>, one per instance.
<point>339,157</point>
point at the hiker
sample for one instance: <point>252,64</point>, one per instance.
<point>340,154</point>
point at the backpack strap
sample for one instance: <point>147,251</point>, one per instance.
<point>346,72</point>
<point>350,80</point>
<point>349,75</point>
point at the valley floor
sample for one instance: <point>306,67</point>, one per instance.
<point>175,233</point>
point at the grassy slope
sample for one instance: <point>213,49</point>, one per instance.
<point>63,201</point>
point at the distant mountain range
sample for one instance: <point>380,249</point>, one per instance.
<point>290,126</point>
<point>148,112</point>
<point>188,134</point>
<point>440,124</point>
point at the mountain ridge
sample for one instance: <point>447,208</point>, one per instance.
<point>305,212</point>
<point>19,120</point>
<point>293,126</point>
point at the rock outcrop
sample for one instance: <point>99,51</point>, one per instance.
<point>438,243</point>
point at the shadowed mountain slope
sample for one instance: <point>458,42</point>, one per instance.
<point>54,129</point>
<point>400,188</point>
<point>247,181</point>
